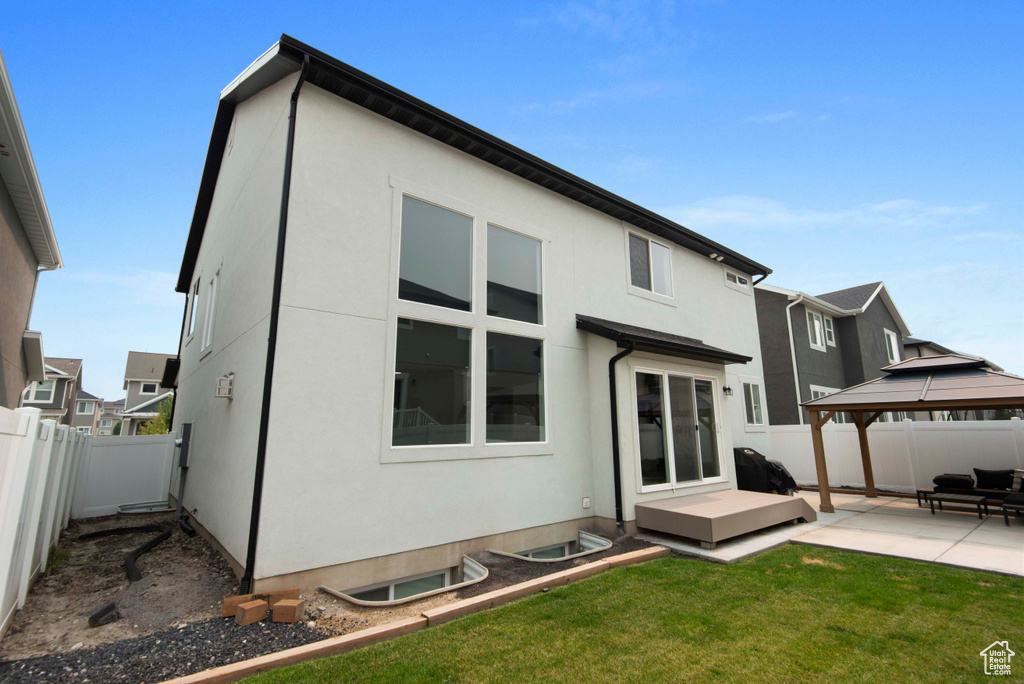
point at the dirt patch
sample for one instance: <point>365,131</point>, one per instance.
<point>334,617</point>
<point>183,581</point>
<point>820,561</point>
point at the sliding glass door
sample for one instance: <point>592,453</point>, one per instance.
<point>676,427</point>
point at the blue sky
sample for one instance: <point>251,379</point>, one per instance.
<point>837,143</point>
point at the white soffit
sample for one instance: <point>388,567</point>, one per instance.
<point>32,343</point>
<point>269,68</point>
<point>18,171</point>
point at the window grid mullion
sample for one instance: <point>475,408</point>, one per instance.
<point>670,442</point>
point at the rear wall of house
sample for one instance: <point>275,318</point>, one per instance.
<point>17,281</point>
<point>335,490</point>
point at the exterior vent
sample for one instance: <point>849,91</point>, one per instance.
<point>226,385</point>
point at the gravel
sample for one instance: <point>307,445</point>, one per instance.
<point>163,655</point>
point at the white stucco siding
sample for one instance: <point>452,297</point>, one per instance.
<point>239,242</point>
<point>331,496</point>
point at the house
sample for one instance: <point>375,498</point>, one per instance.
<point>110,416</point>
<point>56,395</point>
<point>143,374</point>
<point>405,340</point>
<point>86,416</point>
<point>813,346</point>
<point>28,247</point>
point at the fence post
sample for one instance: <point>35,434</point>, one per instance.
<point>41,445</point>
<point>68,437</point>
<point>12,532</point>
<point>81,466</point>
<point>76,470</point>
<point>64,444</point>
<point>52,493</point>
<point>912,457</point>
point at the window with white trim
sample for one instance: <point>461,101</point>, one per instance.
<point>148,388</point>
<point>650,265</point>
<point>106,422</point>
<point>403,588</point>
<point>677,431</point>
<point>84,408</point>
<point>194,309</point>
<point>815,330</point>
<point>830,331</point>
<point>737,281</point>
<point>818,392</point>
<point>752,403</point>
<point>211,308</point>
<point>42,391</point>
<point>892,345</point>
<point>85,430</point>
<point>469,370</point>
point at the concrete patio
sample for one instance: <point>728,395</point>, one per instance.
<point>884,526</point>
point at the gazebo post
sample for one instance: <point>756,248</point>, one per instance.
<point>824,495</point>
<point>865,453</point>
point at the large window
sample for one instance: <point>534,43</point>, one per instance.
<point>676,428</point>
<point>892,346</point>
<point>515,388</point>
<point>432,384</point>
<point>752,403</point>
<point>513,276</point>
<point>436,256</point>
<point>42,391</point>
<point>469,366</point>
<point>816,330</point>
<point>650,265</point>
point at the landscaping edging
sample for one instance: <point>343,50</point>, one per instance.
<point>429,618</point>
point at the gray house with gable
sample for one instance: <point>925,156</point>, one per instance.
<point>813,346</point>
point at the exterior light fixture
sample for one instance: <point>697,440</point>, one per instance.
<point>719,258</point>
<point>713,255</point>
<point>727,391</point>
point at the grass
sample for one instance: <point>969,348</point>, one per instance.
<point>58,557</point>
<point>793,614</point>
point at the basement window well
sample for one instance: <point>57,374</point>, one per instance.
<point>414,587</point>
<point>584,545</point>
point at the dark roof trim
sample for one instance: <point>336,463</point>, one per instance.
<point>656,342</point>
<point>335,76</point>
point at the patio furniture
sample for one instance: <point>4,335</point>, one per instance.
<point>923,494</point>
<point>1015,503</point>
<point>992,484</point>
<point>978,501</point>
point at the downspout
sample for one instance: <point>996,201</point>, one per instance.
<point>792,356</point>
<point>246,583</point>
<point>184,315</point>
<point>613,394</point>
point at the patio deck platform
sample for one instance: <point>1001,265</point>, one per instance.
<point>716,516</point>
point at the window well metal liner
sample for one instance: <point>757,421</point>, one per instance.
<point>591,543</point>
<point>471,570</point>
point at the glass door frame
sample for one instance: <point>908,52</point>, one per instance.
<point>666,410</point>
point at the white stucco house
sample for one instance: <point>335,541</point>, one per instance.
<point>420,321</point>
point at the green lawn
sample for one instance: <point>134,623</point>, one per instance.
<point>793,614</point>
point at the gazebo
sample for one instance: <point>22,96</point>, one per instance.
<point>936,383</point>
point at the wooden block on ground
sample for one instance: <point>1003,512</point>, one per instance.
<point>282,595</point>
<point>288,610</point>
<point>231,603</point>
<point>253,611</point>
<point>637,556</point>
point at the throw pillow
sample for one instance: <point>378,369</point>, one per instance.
<point>954,481</point>
<point>994,479</point>
<point>1018,480</point>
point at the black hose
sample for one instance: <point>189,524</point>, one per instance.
<point>134,575</point>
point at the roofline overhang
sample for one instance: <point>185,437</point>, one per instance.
<point>836,311</point>
<point>147,403</point>
<point>35,364</point>
<point>287,56</point>
<point>642,343</point>
<point>20,169</point>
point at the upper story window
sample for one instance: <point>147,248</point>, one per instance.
<point>148,388</point>
<point>42,391</point>
<point>513,276</point>
<point>466,374</point>
<point>650,265</point>
<point>892,346</point>
<point>436,256</point>
<point>752,403</point>
<point>737,281</point>
<point>830,331</point>
<point>815,330</point>
<point>211,308</point>
<point>192,311</point>
<point>84,407</point>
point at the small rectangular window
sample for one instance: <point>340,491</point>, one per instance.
<point>650,265</point>
<point>816,330</point>
<point>830,333</point>
<point>42,391</point>
<point>106,423</point>
<point>513,275</point>
<point>432,384</point>
<point>148,388</point>
<point>892,342</point>
<point>211,308</point>
<point>752,401</point>
<point>84,407</point>
<point>436,261</point>
<point>737,281</point>
<point>515,388</point>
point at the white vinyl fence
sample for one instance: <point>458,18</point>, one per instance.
<point>905,456</point>
<point>40,464</point>
<point>119,471</point>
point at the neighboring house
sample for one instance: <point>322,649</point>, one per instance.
<point>438,324</point>
<point>28,246</point>
<point>56,395</point>
<point>110,416</point>
<point>86,415</point>
<point>913,347</point>
<point>142,380</point>
<point>813,346</point>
